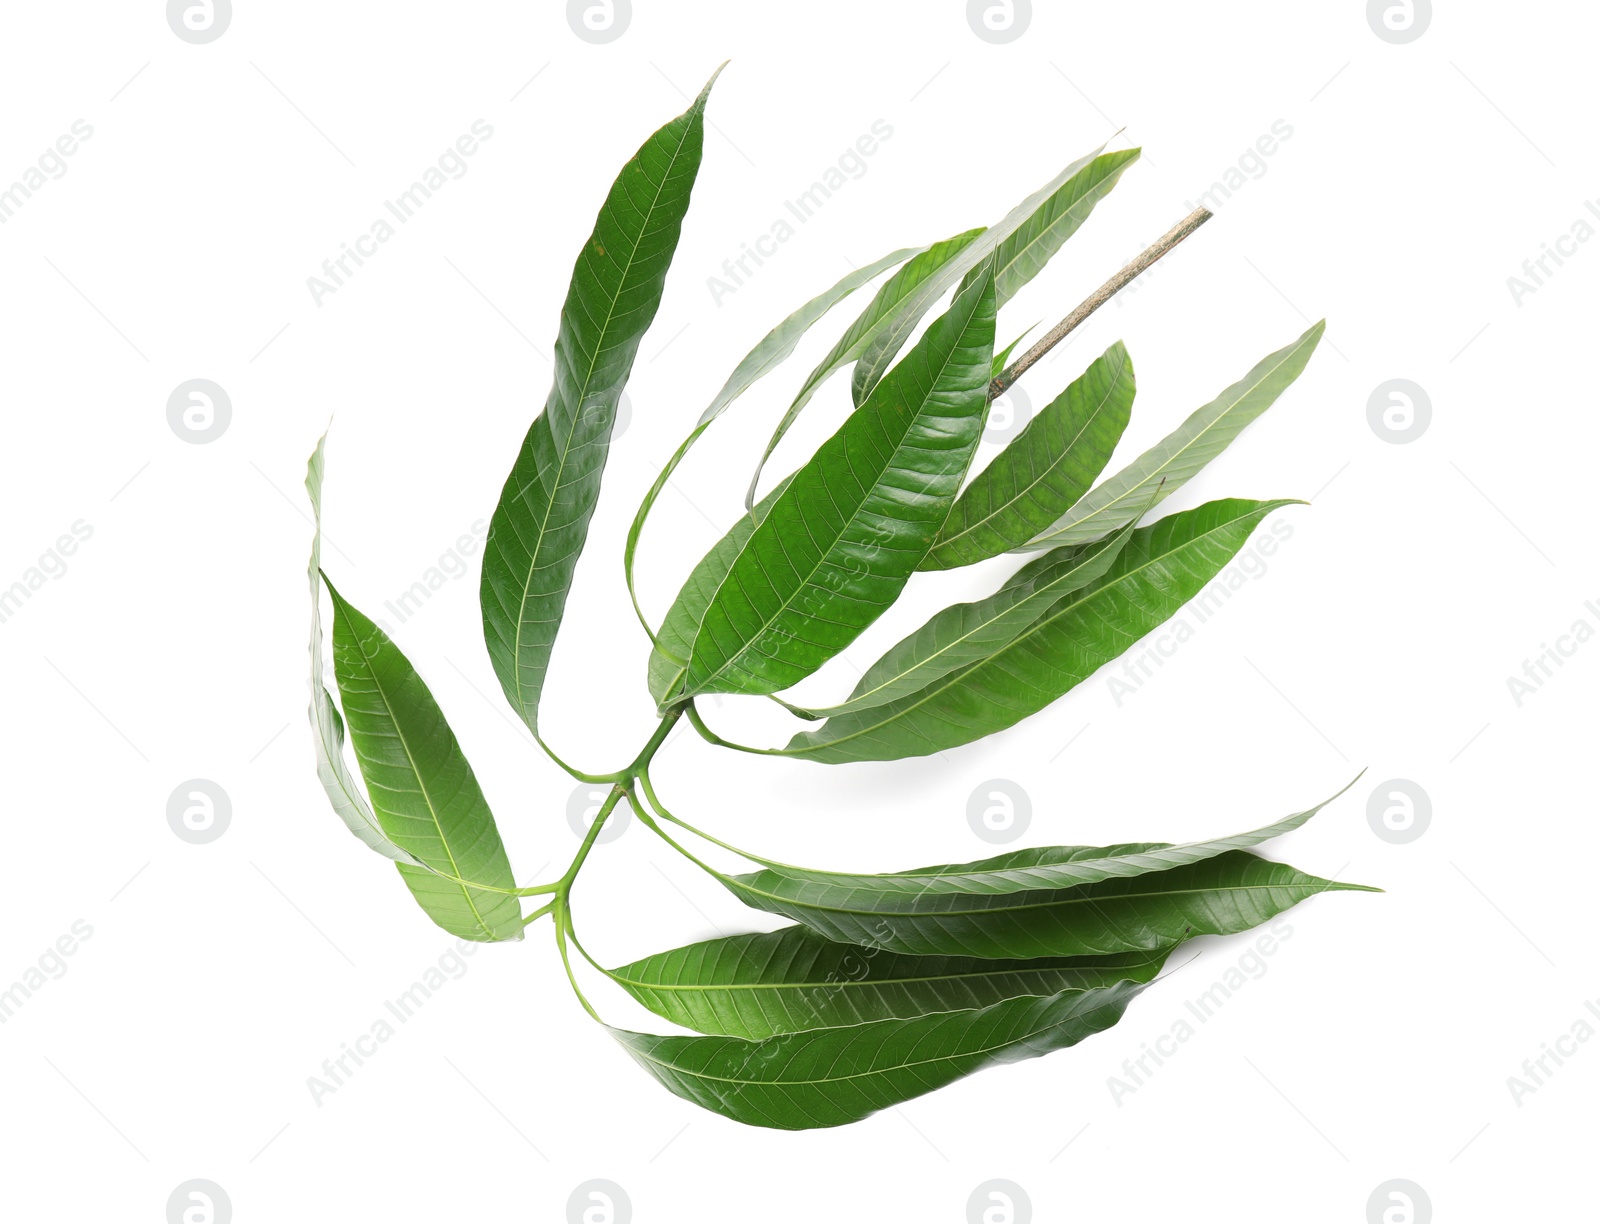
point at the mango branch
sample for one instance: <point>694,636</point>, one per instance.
<point>1128,273</point>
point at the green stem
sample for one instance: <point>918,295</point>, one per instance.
<point>711,737</point>
<point>563,930</point>
<point>661,811</point>
<point>576,773</point>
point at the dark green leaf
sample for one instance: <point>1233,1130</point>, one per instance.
<point>1218,895</point>
<point>1160,569</point>
<point>675,639</point>
<point>963,634</point>
<point>1007,884</point>
<point>828,1077</point>
<point>840,543</point>
<point>540,525</point>
<point>1045,470</point>
<point>1024,242</point>
<point>774,348</point>
<point>885,307</point>
<point>424,792</point>
<point>1167,466</point>
<point>792,979</point>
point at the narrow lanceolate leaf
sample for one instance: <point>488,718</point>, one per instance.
<point>1160,569</point>
<point>344,793</point>
<point>1168,465</point>
<point>840,543</point>
<point>885,306</point>
<point>540,525</point>
<point>424,792</point>
<point>1045,470</point>
<point>773,350</point>
<point>1023,243</point>
<point>831,1076</point>
<point>1219,895</point>
<point>963,634</point>
<point>1025,239</point>
<point>792,979</point>
<point>675,639</point>
<point>1005,882</point>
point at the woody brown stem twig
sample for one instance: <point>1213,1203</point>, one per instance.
<point>1127,273</point>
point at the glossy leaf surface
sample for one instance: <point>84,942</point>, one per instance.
<point>1160,569</point>
<point>967,633</point>
<point>1045,469</point>
<point>841,541</point>
<point>1219,895</point>
<point>540,526</point>
<point>828,1077</point>
<point>792,979</point>
<point>772,351</point>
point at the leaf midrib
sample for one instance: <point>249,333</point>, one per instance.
<point>826,553</point>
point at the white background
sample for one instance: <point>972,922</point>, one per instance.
<point>218,977</point>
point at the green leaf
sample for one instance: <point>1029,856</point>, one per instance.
<point>1168,465</point>
<point>831,1076</point>
<point>426,797</point>
<point>1217,895</point>
<point>348,801</point>
<point>1045,470</point>
<point>839,545</point>
<point>963,634</point>
<point>670,658</point>
<point>884,308</point>
<point>789,980</point>
<point>1024,242</point>
<point>1025,239</point>
<point>1004,889</point>
<point>542,521</point>
<point>1160,569</point>
<point>773,350</point>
